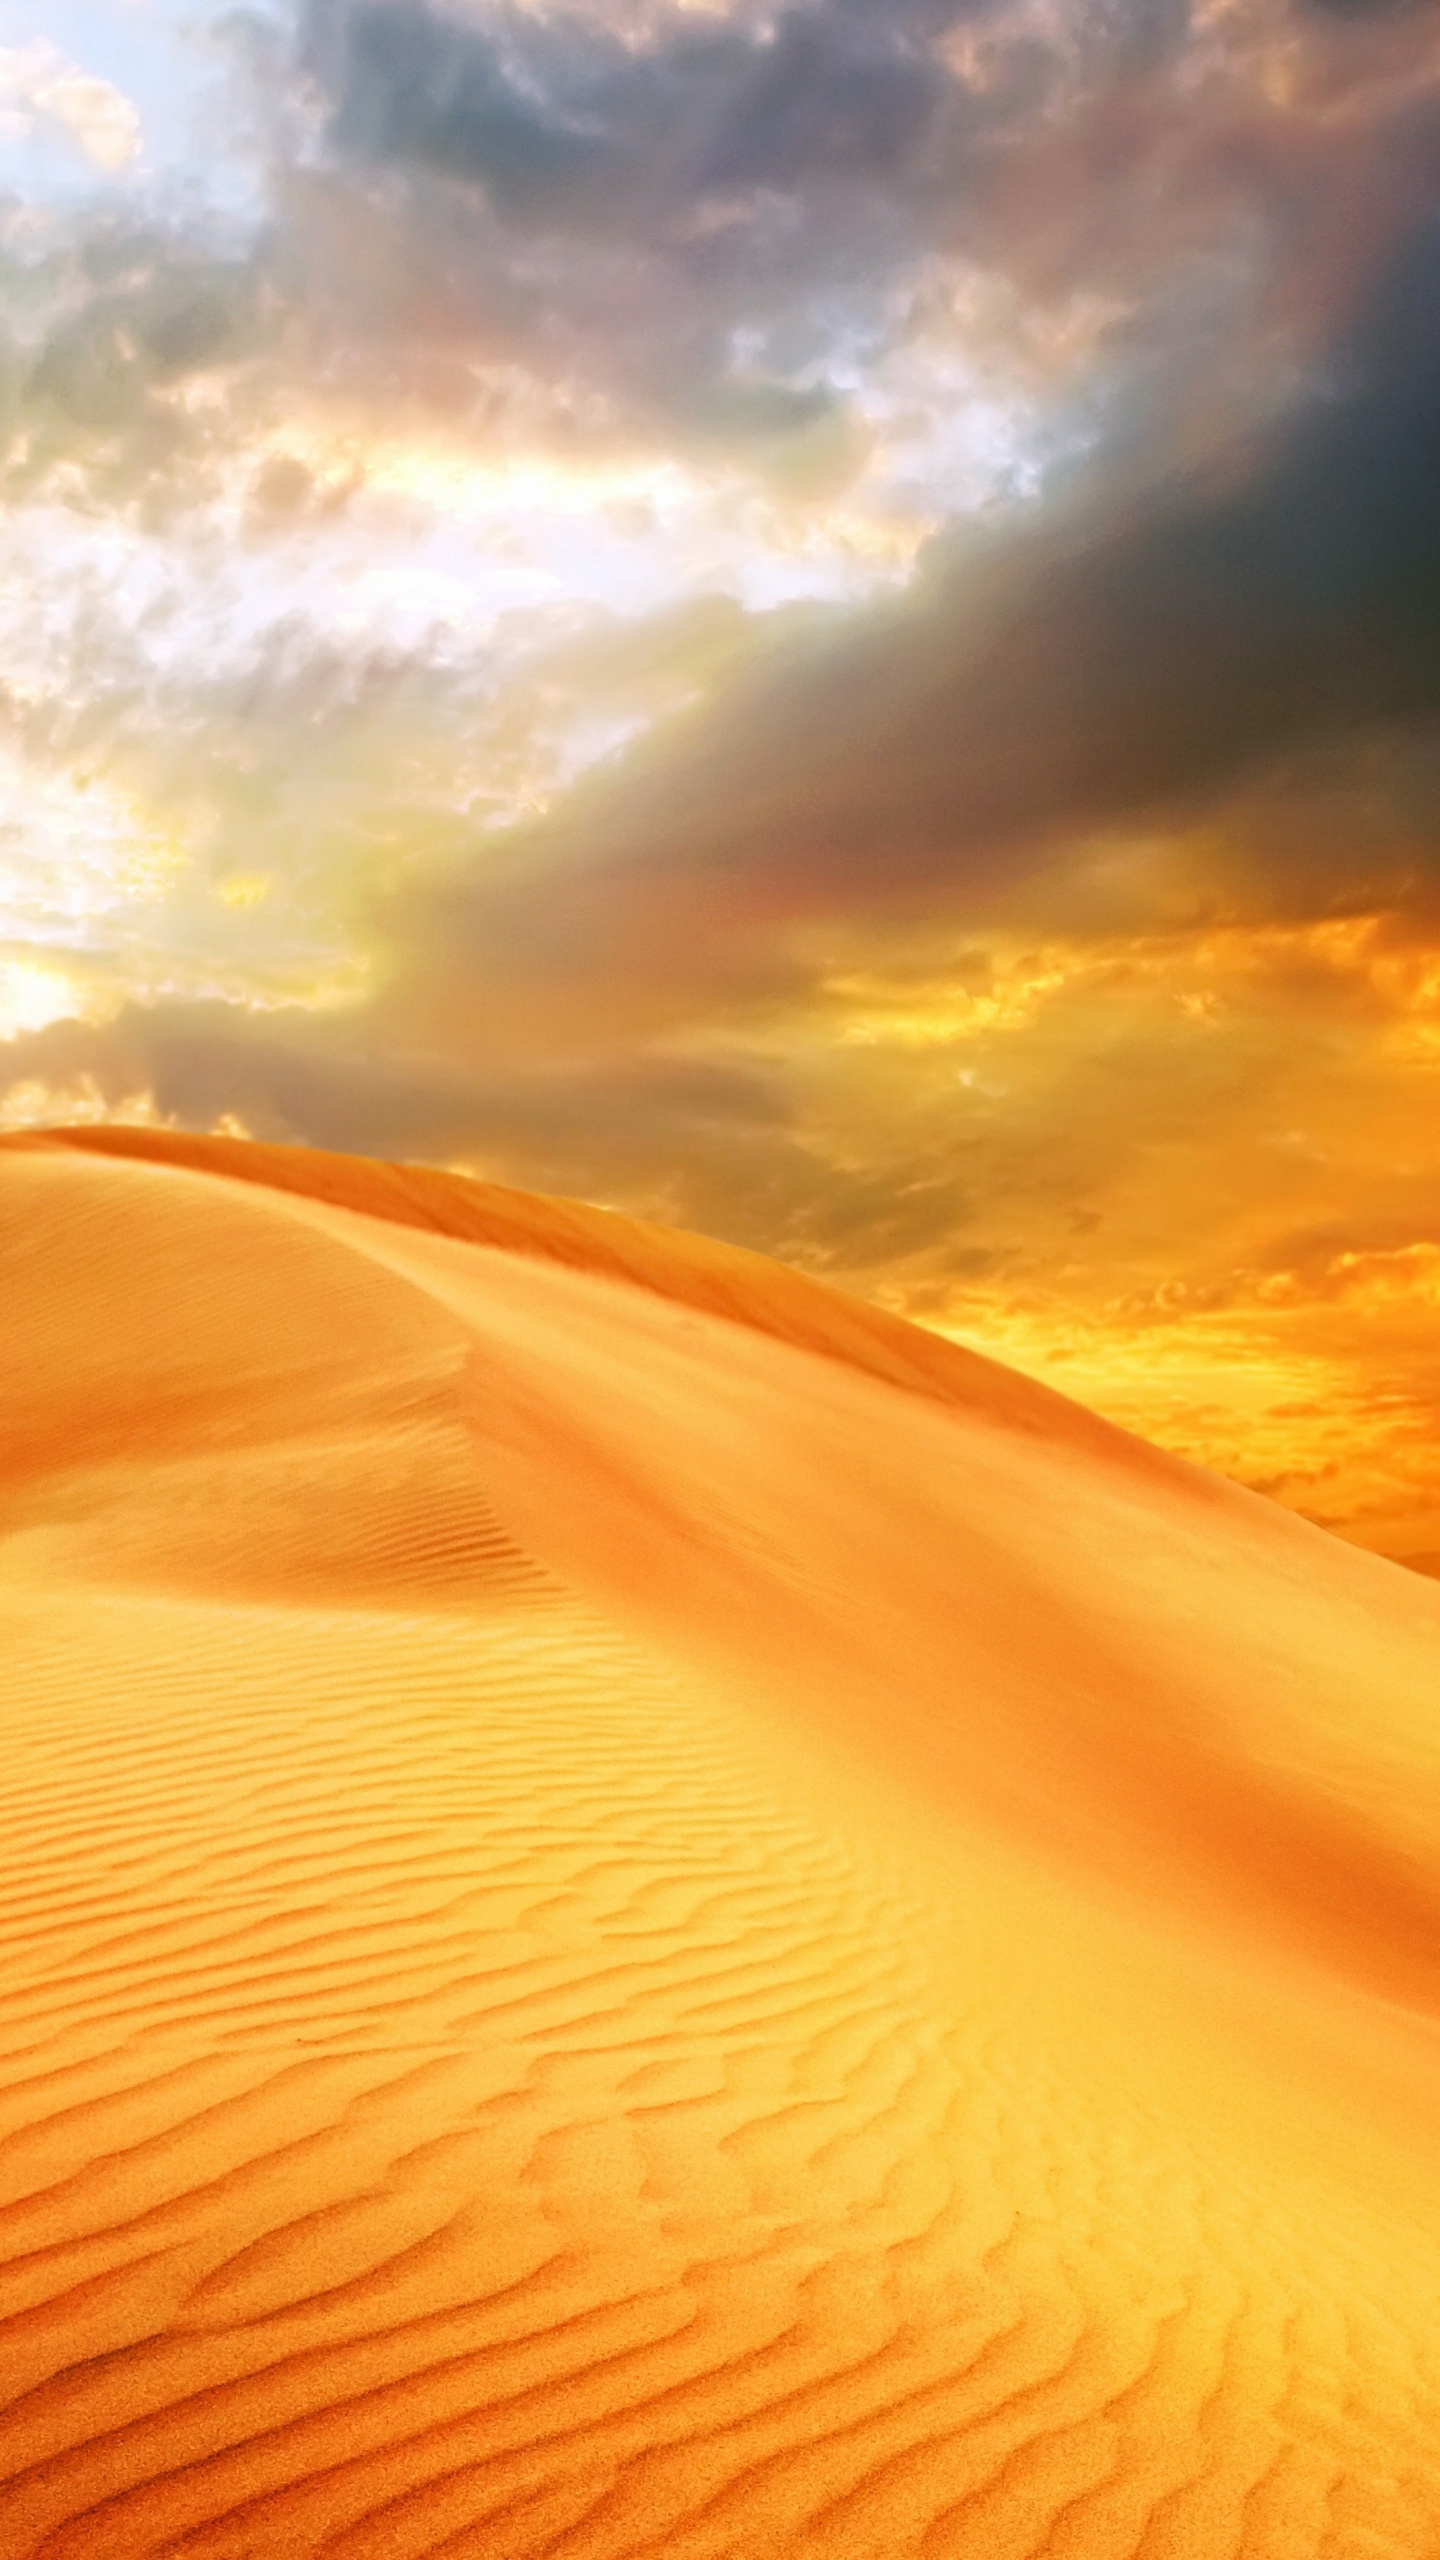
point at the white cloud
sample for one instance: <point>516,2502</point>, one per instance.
<point>39,87</point>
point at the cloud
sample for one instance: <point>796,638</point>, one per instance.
<point>287,1075</point>
<point>38,86</point>
<point>736,234</point>
<point>563,119</point>
<point>701,228</point>
<point>713,217</point>
<point>1076,679</point>
<point>113,312</point>
<point>702,218</point>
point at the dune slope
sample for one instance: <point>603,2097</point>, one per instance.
<point>644,1913</point>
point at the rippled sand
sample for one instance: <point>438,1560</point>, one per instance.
<point>646,1914</point>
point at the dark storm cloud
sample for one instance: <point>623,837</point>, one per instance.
<point>834,92</point>
<point>1057,686</point>
<point>415,88</point>
<point>699,222</point>
<point>611,214</point>
<point>1129,651</point>
<point>701,227</point>
<point>691,180</point>
<point>560,119</point>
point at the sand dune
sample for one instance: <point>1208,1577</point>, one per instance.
<point>644,1913</point>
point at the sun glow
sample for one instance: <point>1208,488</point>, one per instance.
<point>518,495</point>
<point>33,995</point>
<point>75,848</point>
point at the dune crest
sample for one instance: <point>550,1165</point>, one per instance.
<point>647,1913</point>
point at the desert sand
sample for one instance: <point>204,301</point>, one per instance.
<point>646,1913</point>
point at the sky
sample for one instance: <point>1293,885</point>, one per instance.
<point>820,622</point>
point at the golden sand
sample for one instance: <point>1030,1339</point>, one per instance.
<point>644,1913</point>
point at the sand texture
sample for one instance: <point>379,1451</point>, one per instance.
<point>645,1914</point>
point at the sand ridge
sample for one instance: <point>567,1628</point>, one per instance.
<point>692,1270</point>
<point>665,1919</point>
